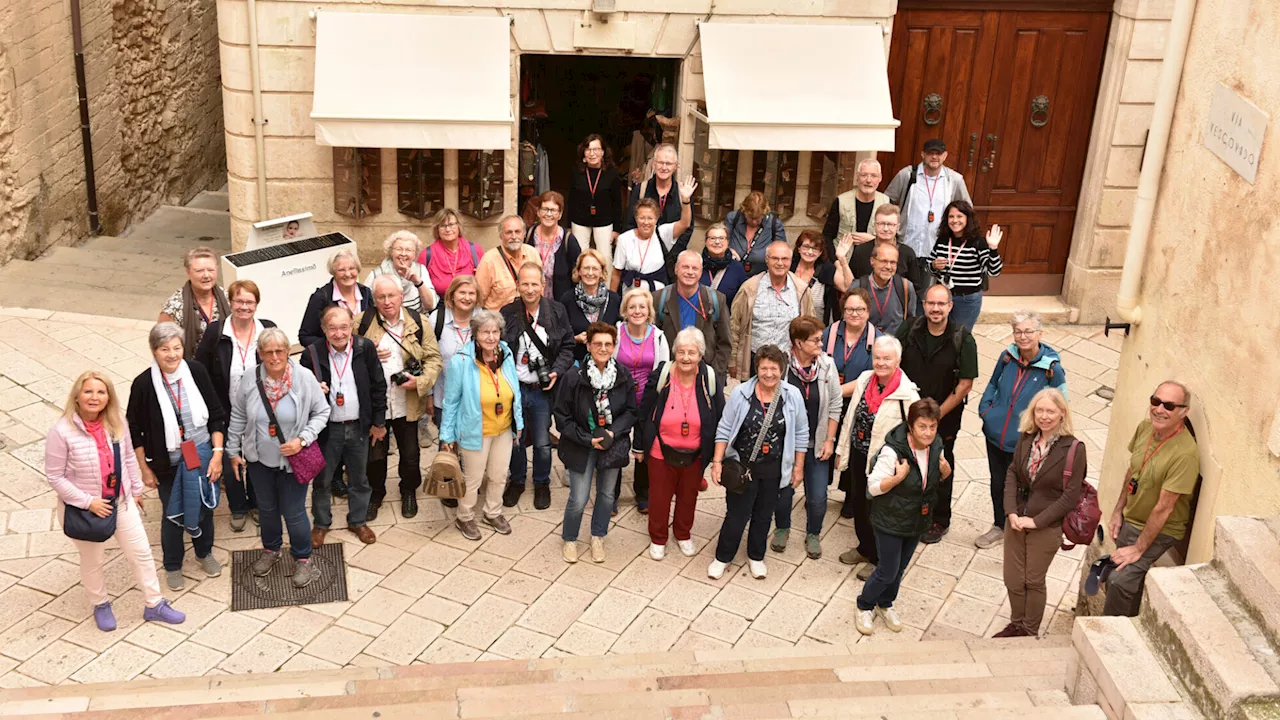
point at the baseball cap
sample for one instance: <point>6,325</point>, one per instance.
<point>935,145</point>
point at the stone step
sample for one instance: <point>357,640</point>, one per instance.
<point>210,200</point>
<point>1248,553</point>
<point>999,309</point>
<point>1115,669</point>
<point>1241,618</point>
<point>193,225</point>
<point>66,297</point>
<point>1200,643</point>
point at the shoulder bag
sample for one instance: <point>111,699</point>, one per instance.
<point>734,475</point>
<point>80,524</point>
<point>309,461</point>
<point>444,479</point>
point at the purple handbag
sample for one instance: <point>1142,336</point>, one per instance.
<point>308,463</point>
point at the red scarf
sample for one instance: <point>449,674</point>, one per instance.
<point>874,396</point>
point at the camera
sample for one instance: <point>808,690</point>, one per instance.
<point>412,367</point>
<point>539,367</point>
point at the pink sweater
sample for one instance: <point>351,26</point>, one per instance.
<point>72,467</point>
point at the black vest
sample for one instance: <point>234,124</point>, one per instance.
<point>938,374</point>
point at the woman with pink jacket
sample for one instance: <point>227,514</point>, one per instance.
<point>79,462</point>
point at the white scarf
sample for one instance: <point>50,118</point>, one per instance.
<point>199,411</point>
<point>602,383</point>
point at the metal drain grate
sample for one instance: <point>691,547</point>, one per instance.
<point>276,589</point>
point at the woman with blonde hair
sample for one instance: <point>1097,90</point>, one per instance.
<point>401,248</point>
<point>589,299</point>
<point>752,227</point>
<point>199,301</point>
<point>721,267</point>
<point>450,255</point>
<point>90,463</point>
<point>642,348</point>
<point>1043,484</point>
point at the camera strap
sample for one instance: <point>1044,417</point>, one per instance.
<point>533,336</point>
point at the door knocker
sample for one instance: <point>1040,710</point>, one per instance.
<point>1040,111</point>
<point>932,109</point>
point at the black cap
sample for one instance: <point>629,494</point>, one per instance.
<point>935,145</point>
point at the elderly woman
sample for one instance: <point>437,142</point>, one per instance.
<point>199,301</point>
<point>344,289</point>
<point>636,263</point>
<point>594,412</point>
<point>765,426</point>
<point>751,228</point>
<point>558,251</point>
<point>1025,368</point>
<point>963,259</point>
<point>482,393</point>
<point>177,421</point>
<point>682,401</point>
<point>451,255</point>
<point>228,350</point>
<point>301,412</point>
<point>818,276</point>
<point>589,300</point>
<point>904,489</point>
<point>90,463</point>
<point>641,350</point>
<point>848,343</point>
<point>1038,495</point>
<point>879,403</point>
<point>458,304</point>
<point>721,268</point>
<point>401,248</point>
<point>814,374</point>
<point>595,197</point>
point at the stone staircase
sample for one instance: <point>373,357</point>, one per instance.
<point>128,276</point>
<point>1020,679</point>
<point>1205,642</point>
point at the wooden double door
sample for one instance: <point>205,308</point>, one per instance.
<point>1012,93</point>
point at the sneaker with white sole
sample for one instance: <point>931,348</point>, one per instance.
<point>657,552</point>
<point>597,549</point>
<point>863,622</point>
<point>716,569</point>
<point>570,551</point>
<point>994,536</point>
<point>758,570</point>
<point>687,548</point>
<point>891,619</point>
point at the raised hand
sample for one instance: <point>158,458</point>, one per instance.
<point>994,236</point>
<point>687,189</point>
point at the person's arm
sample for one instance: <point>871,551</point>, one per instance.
<point>738,326</point>
<point>962,191</point>
<point>724,338</point>
<point>1059,380</point>
<point>317,414</point>
<point>627,220</point>
<point>564,352</point>
<point>992,263</point>
<point>685,222</point>
<point>886,473</point>
<point>55,471</point>
<point>1117,515</point>
<point>627,417</point>
<point>895,189</point>
<point>843,275</point>
<point>1155,523</point>
<point>991,391</point>
<point>484,280</point>
<point>429,356</point>
<point>239,417</point>
<point>377,385</point>
<point>562,413</point>
<point>1011,483</point>
<point>452,399</point>
<point>957,396</point>
<point>832,226</point>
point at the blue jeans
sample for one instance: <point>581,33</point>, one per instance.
<point>815,496</point>
<point>240,497</point>
<point>579,489</point>
<point>172,537</point>
<point>281,496</point>
<point>882,587</point>
<point>536,404</point>
<point>344,444</point>
<point>965,309</point>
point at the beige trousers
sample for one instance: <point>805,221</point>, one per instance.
<point>489,465</point>
<point>134,546</point>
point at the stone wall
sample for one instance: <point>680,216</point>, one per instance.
<point>155,111</point>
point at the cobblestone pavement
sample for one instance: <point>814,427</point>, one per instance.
<point>422,593</point>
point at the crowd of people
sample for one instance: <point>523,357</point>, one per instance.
<point>852,354</point>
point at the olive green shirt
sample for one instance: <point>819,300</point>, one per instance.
<point>1174,467</point>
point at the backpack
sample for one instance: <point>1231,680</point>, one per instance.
<point>1082,522</point>
<point>1006,358</point>
<point>832,337</point>
<point>475,257</point>
<point>661,311</point>
<point>367,319</point>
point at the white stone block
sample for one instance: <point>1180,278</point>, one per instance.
<point>1116,655</point>
<point>1249,554</point>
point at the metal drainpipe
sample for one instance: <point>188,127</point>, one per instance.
<point>255,80</point>
<point>86,134</point>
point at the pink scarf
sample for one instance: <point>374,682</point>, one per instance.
<point>874,396</point>
<point>105,457</point>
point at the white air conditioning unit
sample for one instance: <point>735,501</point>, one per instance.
<point>287,274</point>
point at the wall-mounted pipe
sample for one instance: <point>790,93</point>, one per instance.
<point>1135,254</point>
<point>255,81</point>
<point>86,133</point>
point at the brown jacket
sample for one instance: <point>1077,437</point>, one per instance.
<point>744,307</point>
<point>1048,504</point>
<point>428,353</point>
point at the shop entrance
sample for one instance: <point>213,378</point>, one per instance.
<point>564,98</point>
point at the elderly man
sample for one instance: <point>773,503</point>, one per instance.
<point>659,188</point>
<point>942,358</point>
<point>352,381</point>
<point>538,332</point>
<point>763,310</point>
<point>691,304</point>
<point>1155,503</point>
<point>410,363</point>
<point>892,295</point>
<point>888,219</point>
<point>851,214</point>
<point>498,270</point>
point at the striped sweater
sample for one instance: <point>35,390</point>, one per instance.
<point>965,265</point>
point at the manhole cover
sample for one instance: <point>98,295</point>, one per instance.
<point>1105,393</point>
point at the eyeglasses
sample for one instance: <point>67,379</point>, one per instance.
<point>663,164</point>
<point>810,247</point>
<point>1168,405</point>
<point>595,150</point>
<point>244,303</point>
<point>855,311</point>
<point>777,258</point>
<point>450,224</point>
<point>868,175</point>
<point>548,211</point>
<point>889,224</point>
<point>1024,333</point>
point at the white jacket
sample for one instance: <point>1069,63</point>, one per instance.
<point>890,416</point>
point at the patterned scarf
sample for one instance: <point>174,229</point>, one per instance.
<point>806,375</point>
<point>602,381</point>
<point>277,389</point>
<point>591,305</point>
<point>1040,450</point>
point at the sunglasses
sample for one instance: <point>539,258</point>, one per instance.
<point>1170,406</point>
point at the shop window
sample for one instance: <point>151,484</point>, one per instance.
<point>717,174</point>
<point>830,173</point>
<point>419,182</point>
<point>357,181</point>
<point>773,172</point>
<point>480,182</point>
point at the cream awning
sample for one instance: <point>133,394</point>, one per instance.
<point>388,80</point>
<point>773,86</point>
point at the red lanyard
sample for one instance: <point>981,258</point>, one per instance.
<point>1018,381</point>
<point>550,247</point>
<point>497,388</point>
<point>591,186</point>
<point>952,257</point>
<point>176,397</point>
<point>1033,465</point>
<point>875,297</point>
<point>207,316</point>
<point>931,188</point>
<point>463,334</point>
<point>339,373</point>
<point>696,308</point>
<point>244,354</point>
<point>510,268</point>
<point>635,353</point>
<point>393,334</point>
<point>1146,456</point>
<point>778,294</point>
<point>684,400</point>
<point>662,200</point>
<point>648,244</point>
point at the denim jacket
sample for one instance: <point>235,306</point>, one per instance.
<point>462,421</point>
<point>793,411</point>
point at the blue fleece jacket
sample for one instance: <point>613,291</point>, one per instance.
<point>1001,408</point>
<point>462,421</point>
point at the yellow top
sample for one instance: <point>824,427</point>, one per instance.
<point>491,397</point>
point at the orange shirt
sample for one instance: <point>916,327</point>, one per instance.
<point>497,282</point>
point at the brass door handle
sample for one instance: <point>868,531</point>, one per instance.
<point>932,109</point>
<point>989,161</point>
<point>973,147</point>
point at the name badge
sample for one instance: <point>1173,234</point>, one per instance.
<point>636,282</point>
<point>593,209</point>
<point>764,449</point>
<point>684,428</point>
<point>271,430</point>
<point>930,216</point>
<point>601,421</point>
<point>924,509</point>
<point>497,409</point>
<point>339,400</point>
<point>524,359</point>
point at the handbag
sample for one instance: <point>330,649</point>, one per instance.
<point>734,475</point>
<point>444,478</point>
<point>308,462</point>
<point>1082,521</point>
<point>80,524</point>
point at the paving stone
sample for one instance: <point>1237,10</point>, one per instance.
<point>489,563</point>
<point>411,581</point>
<point>405,639</point>
<point>437,558</point>
<point>739,600</point>
<point>444,650</point>
<point>929,582</point>
<point>31,634</point>
<point>945,557</point>
<point>380,606</point>
<point>684,598</point>
<point>121,663</point>
<point>337,645</point>
<point>966,614</point>
<point>364,627</point>
<point>301,662</point>
<point>588,576</point>
<point>915,608</point>
<point>155,637</point>
<point>26,522</point>
<point>520,643</point>
<point>262,654</point>
<point>778,572</point>
<point>835,623</point>
<point>463,585</point>
<point>55,662</point>
<point>555,610</point>
<point>484,621</point>
<point>652,631</point>
<point>613,610</point>
<point>692,641</point>
<point>756,639</point>
<point>228,631</point>
<point>645,576</point>
<point>526,533</point>
<point>443,611</point>
<point>520,587</point>
<point>378,558</point>
<point>720,624</point>
<point>787,616</point>
<point>544,560</point>
<point>816,580</point>
<point>982,587</point>
<point>585,640</point>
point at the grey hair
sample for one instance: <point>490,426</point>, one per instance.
<point>396,237</point>
<point>517,218</point>
<point>691,254</point>
<point>162,333</point>
<point>869,161</point>
<point>272,336</point>
<point>343,254</point>
<point>1030,316</point>
<point>1186,393</point>
<point>888,342</point>
<point>387,278</point>
<point>482,316</point>
<point>691,336</point>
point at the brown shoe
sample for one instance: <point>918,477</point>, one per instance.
<point>1011,630</point>
<point>365,533</point>
<point>498,523</point>
<point>317,536</point>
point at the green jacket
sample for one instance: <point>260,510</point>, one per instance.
<point>907,509</point>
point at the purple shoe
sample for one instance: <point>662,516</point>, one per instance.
<point>104,617</point>
<point>163,612</point>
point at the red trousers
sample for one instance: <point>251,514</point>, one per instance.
<point>664,482</point>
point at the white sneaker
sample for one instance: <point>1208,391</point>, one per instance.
<point>992,537</point>
<point>758,570</point>
<point>716,569</point>
<point>864,622</point>
<point>657,552</point>
<point>687,547</point>
<point>570,552</point>
<point>891,619</point>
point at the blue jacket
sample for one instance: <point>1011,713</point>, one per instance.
<point>793,411</point>
<point>1001,408</point>
<point>462,422</point>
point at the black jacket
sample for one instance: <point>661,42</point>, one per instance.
<point>146,423</point>
<point>938,373</point>
<point>578,321</point>
<point>553,318</point>
<point>670,214</point>
<point>907,510</point>
<point>371,384</point>
<point>607,202</point>
<point>214,353</point>
<point>575,406</point>
<point>654,404</point>
<point>310,331</point>
<point>566,257</point>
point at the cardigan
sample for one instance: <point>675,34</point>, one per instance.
<point>214,353</point>
<point>310,330</point>
<point>313,413</point>
<point>72,467</point>
<point>710,407</point>
<point>146,423</point>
